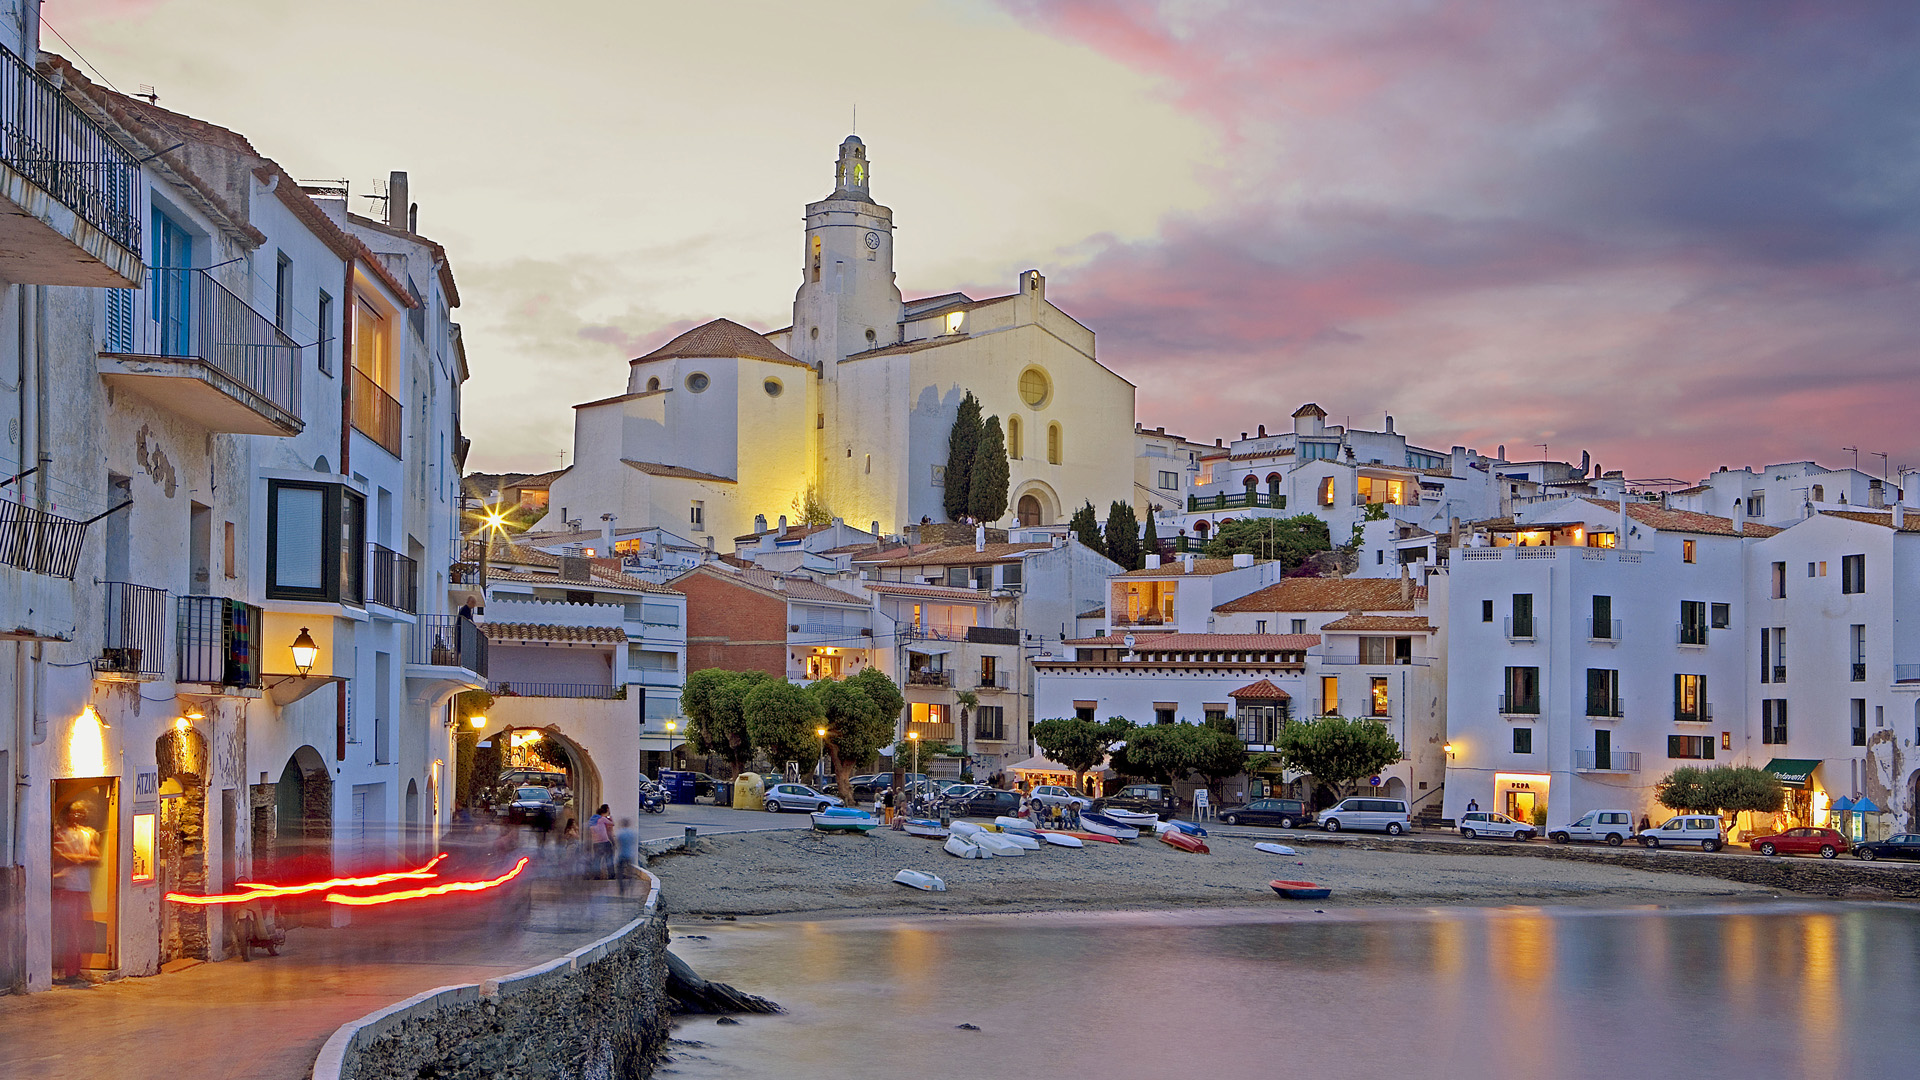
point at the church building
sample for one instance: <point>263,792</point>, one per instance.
<point>853,402</point>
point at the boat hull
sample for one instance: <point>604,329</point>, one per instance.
<point>1275,849</point>
<point>1132,817</point>
<point>845,822</point>
<point>1101,823</point>
<point>965,849</point>
<point>1300,890</point>
<point>1174,838</point>
<point>1000,846</point>
<point>920,879</point>
<point>1099,837</point>
<point>1062,840</point>
<point>932,830</point>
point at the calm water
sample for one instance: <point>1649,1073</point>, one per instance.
<point>1814,991</point>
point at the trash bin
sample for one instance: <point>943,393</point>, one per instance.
<point>749,792</point>
<point>679,783</point>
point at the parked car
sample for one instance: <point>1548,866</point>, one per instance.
<point>1055,795</point>
<point>1285,813</point>
<point>960,793</point>
<point>1387,815</point>
<point>1613,827</point>
<point>868,786</point>
<point>989,802</point>
<point>532,804</point>
<point>1702,829</point>
<point>1825,843</point>
<point>1900,846</point>
<point>785,796</point>
<point>1487,823</point>
<point>1142,798</point>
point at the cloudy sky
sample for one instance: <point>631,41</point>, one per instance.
<point>1677,235</point>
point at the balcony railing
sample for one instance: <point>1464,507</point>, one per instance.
<point>1200,504</point>
<point>186,314</point>
<point>1603,629</point>
<point>1690,633</point>
<point>1625,761</point>
<point>1520,629</point>
<point>1148,618</point>
<point>1779,673</point>
<point>1607,707</point>
<point>1906,673</point>
<point>943,731</point>
<point>1511,705</point>
<point>929,678</point>
<point>135,641</point>
<point>448,641</point>
<point>995,681</point>
<point>47,139</point>
<point>517,688</point>
<point>38,542</point>
<point>931,633</point>
<point>218,642</point>
<point>391,579</point>
<point>1701,716</point>
<point>375,413</point>
<point>1859,673</point>
<point>1351,660</point>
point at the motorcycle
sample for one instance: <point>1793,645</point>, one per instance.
<point>653,800</point>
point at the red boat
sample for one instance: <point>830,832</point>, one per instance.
<point>1185,842</point>
<point>1102,837</point>
<point>1300,890</point>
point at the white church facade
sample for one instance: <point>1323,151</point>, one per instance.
<point>853,402</point>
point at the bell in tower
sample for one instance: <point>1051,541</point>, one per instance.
<point>850,175</point>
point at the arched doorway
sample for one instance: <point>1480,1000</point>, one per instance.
<point>1252,485</point>
<point>411,841</point>
<point>1201,529</point>
<point>1273,489</point>
<point>1029,511</point>
<point>529,748</point>
<point>180,854</point>
<point>295,842</point>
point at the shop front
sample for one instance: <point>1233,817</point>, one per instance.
<point>1522,796</point>
<point>1038,771</point>
<point>1806,803</point>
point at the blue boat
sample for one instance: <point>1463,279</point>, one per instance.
<point>844,819</point>
<point>1187,827</point>
<point>1106,826</point>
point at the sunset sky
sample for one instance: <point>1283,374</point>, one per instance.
<point>1677,235</point>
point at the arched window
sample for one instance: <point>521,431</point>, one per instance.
<point>653,383</point>
<point>1029,511</point>
<point>1013,437</point>
<point>1053,444</point>
<point>1819,493</point>
<point>1201,528</point>
<point>1252,484</point>
<point>1273,489</point>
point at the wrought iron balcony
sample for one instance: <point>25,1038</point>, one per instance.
<point>1603,630</point>
<point>134,644</point>
<point>1515,705</point>
<point>1906,673</point>
<point>448,641</point>
<point>1520,629</point>
<point>929,678</point>
<point>1201,504</point>
<point>1779,673</point>
<point>1607,707</point>
<point>188,344</point>
<point>1619,761</point>
<point>995,681</point>
<point>1860,672</point>
<point>49,143</point>
<point>38,542</point>
<point>391,579</point>
<point>375,412</point>
<point>219,642</point>
<point>518,688</point>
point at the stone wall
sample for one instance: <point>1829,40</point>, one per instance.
<point>600,1012</point>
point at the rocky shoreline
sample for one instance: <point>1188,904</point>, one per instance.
<point>813,875</point>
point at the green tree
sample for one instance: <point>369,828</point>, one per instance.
<point>1217,753</point>
<point>1086,526</point>
<point>714,703</point>
<point>1727,789</point>
<point>857,724</point>
<point>1123,535</point>
<point>962,442</point>
<point>1291,540</point>
<point>987,497</point>
<point>810,509</point>
<point>1079,744</point>
<point>1337,751</point>
<point>1150,538</point>
<point>784,720</point>
<point>1161,753</point>
<point>466,705</point>
<point>968,701</point>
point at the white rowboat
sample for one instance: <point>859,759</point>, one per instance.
<point>1062,840</point>
<point>1134,818</point>
<point>965,849</point>
<point>1275,849</point>
<point>1014,824</point>
<point>1000,844</point>
<point>920,879</point>
<point>1106,826</point>
<point>933,830</point>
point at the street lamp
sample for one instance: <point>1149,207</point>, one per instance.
<point>914,738</point>
<point>305,652</point>
<point>477,721</point>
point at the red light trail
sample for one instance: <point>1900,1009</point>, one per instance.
<point>260,890</point>
<point>430,890</point>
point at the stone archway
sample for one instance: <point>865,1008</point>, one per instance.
<point>583,776</point>
<point>1035,505</point>
<point>295,840</point>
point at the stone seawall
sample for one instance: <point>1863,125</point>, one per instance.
<point>600,1012</point>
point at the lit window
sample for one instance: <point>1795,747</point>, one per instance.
<point>1686,551</point>
<point>1326,491</point>
<point>956,321</point>
<point>143,847</point>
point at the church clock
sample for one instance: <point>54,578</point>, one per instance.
<point>873,241</point>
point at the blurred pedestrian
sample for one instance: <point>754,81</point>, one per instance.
<point>626,845</point>
<point>600,828</point>
<point>76,850</point>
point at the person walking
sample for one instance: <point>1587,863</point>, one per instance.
<point>886,802</point>
<point>626,848</point>
<point>76,850</point>
<point>600,828</point>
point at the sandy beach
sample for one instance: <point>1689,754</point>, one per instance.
<point>812,875</point>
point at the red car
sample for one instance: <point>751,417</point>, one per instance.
<point>1825,843</point>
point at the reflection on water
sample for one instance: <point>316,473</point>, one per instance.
<point>1816,991</point>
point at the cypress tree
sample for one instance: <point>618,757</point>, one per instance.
<point>1123,535</point>
<point>1150,540</point>
<point>1086,527</point>
<point>962,443</point>
<point>987,499</point>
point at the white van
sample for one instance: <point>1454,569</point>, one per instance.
<point>1702,829</point>
<point>1386,815</point>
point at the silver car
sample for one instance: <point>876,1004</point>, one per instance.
<point>1056,795</point>
<point>1487,823</point>
<point>797,797</point>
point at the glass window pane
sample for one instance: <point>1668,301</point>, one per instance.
<point>299,531</point>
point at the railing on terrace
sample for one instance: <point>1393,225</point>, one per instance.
<point>519,688</point>
<point>1350,660</point>
<point>929,678</point>
<point>47,139</point>
<point>375,412</point>
<point>448,641</point>
<point>187,314</point>
<point>135,641</point>
<point>1606,761</point>
<point>1145,619</point>
<point>944,732</point>
<point>1603,629</point>
<point>931,633</point>
<point>1607,707</point>
<point>1519,706</point>
<point>1906,673</point>
<point>1700,716</point>
<point>1200,504</point>
<point>996,681</point>
<point>391,579</point>
<point>38,542</point>
<point>218,642</point>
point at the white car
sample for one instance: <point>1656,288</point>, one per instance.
<point>1487,823</point>
<point>1387,815</point>
<point>1702,829</point>
<point>1055,795</point>
<point>1611,827</point>
<point>797,797</point>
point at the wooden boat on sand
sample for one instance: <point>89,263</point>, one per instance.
<point>920,879</point>
<point>926,827</point>
<point>1300,890</point>
<point>1174,838</point>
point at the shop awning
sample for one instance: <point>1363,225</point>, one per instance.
<point>1841,805</point>
<point>929,650</point>
<point>1867,806</point>
<point>1048,765</point>
<point>1793,772</point>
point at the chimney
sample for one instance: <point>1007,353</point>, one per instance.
<point>1263,431</point>
<point>1389,423</point>
<point>606,534</point>
<point>783,524</point>
<point>1899,516</point>
<point>837,522</point>
<point>709,545</point>
<point>874,528</point>
<point>1060,540</point>
<point>397,200</point>
<point>759,523</point>
<point>1153,561</point>
<point>979,538</point>
<point>1739,516</point>
<point>1406,586</point>
<point>1187,565</point>
<point>1243,436</point>
<point>1242,560</point>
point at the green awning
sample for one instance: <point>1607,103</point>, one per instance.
<point>1793,772</point>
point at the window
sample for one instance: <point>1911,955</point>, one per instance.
<point>1853,573</point>
<point>1053,444</point>
<point>301,562</point>
<point>921,712</point>
<point>1819,493</point>
<point>697,514</point>
<point>1035,388</point>
<point>373,342</point>
<point>1687,550</point>
<point>233,557</point>
<point>1522,694</point>
<point>1162,715</point>
<point>1298,626</point>
<point>1602,624</point>
<point>1858,707</point>
<point>657,660</point>
<point>1690,746</point>
<point>1169,481</point>
<point>1377,696</point>
<point>1857,648</point>
<point>773,387</point>
<point>1722,615</point>
<point>1773,721</point>
<point>1013,437</point>
<point>1757,505</point>
<point>1486,611</point>
<point>1603,692</point>
<point>1779,581</point>
<point>171,287</point>
<point>1083,712</point>
<point>1329,695</point>
<point>989,722</point>
<point>1523,740</point>
<point>1259,626</point>
<point>1690,699</point>
<point>323,349</point>
<point>1693,622</point>
<point>814,245</point>
<point>1326,491</point>
<point>282,290</point>
<point>1011,574</point>
<point>1520,625</point>
<point>698,382</point>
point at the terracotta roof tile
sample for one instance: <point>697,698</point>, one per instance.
<point>1406,623</point>
<point>966,555</point>
<point>1326,594</point>
<point>1683,520</point>
<point>678,472</point>
<point>1225,643</point>
<point>1264,690</point>
<point>1910,522</point>
<point>721,339</point>
<point>591,635</point>
<point>931,592</point>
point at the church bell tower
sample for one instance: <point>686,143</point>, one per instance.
<point>848,302</point>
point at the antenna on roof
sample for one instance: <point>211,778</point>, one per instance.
<point>856,120</point>
<point>147,92</point>
<point>377,201</point>
<point>1856,455</point>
